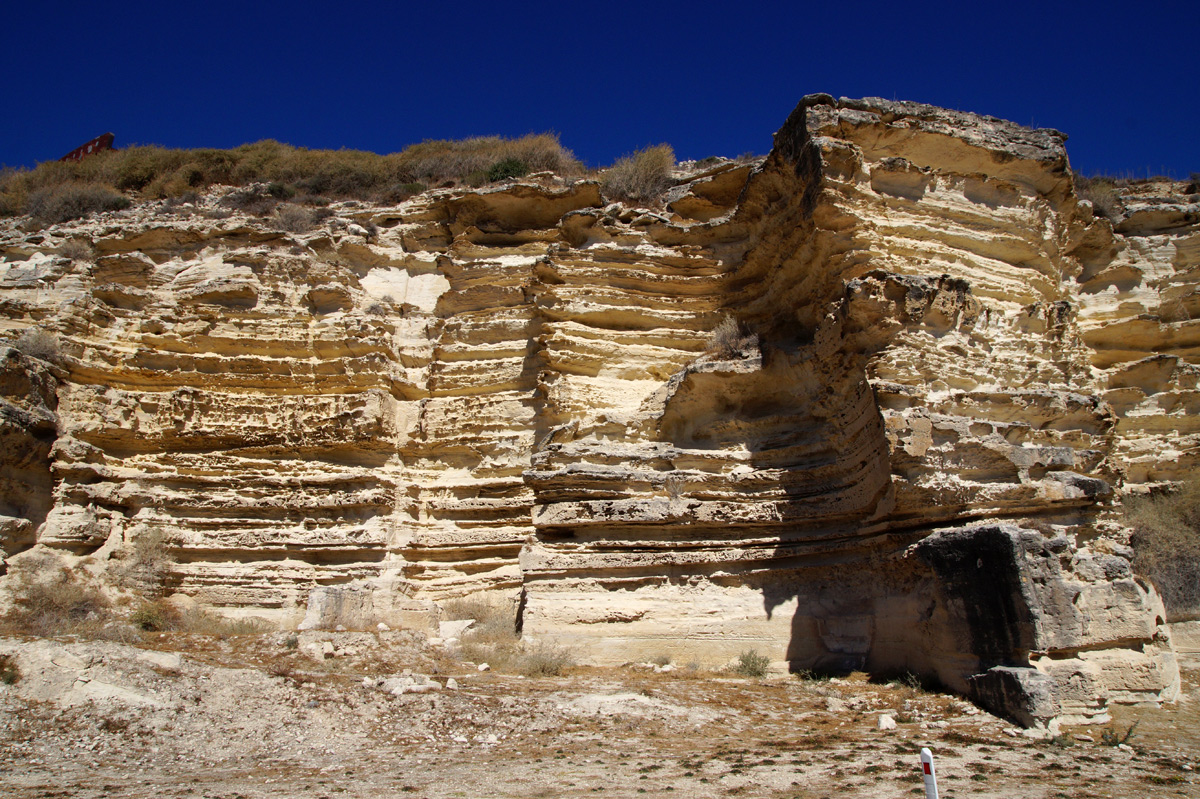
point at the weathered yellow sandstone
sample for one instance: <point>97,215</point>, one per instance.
<point>904,457</point>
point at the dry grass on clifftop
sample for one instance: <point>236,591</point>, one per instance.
<point>57,191</point>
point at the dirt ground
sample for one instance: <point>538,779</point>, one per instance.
<point>244,717</point>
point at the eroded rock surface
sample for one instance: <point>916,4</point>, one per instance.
<point>938,368</point>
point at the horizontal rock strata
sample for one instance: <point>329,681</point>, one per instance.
<point>864,403</point>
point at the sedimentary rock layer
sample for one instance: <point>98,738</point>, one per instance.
<point>789,408</point>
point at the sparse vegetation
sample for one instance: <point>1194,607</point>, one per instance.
<point>642,177</point>
<point>508,168</point>
<point>1102,193</point>
<point>493,639</point>
<point>1166,544</point>
<point>57,191</point>
<point>144,565</point>
<point>38,343</point>
<point>295,218</point>
<point>77,250</point>
<point>1111,737</point>
<point>62,203</point>
<point>10,673</point>
<point>56,602</point>
<point>751,664</point>
<point>729,339</point>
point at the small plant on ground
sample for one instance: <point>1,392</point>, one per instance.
<point>1111,737</point>
<point>641,177</point>
<point>10,673</point>
<point>751,664</point>
<point>153,617</point>
<point>545,660</point>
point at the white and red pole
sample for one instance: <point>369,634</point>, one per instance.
<point>927,773</point>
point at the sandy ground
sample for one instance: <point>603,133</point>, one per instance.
<point>243,717</point>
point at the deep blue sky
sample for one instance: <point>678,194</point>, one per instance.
<point>1121,78</point>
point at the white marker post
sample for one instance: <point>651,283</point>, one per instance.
<point>927,773</point>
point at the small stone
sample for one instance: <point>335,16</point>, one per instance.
<point>451,684</point>
<point>483,667</point>
<point>1125,747</point>
<point>887,723</point>
<point>383,628</point>
<point>1086,738</point>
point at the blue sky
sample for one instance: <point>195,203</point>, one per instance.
<point>1121,78</point>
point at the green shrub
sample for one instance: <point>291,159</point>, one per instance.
<point>752,664</point>
<point>643,176</point>
<point>508,168</point>
<point>63,203</point>
<point>1166,545</point>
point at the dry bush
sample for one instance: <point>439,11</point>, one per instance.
<point>144,565</point>
<point>55,603</point>
<point>1103,192</point>
<point>10,673</point>
<point>77,250</point>
<point>254,200</point>
<point>643,176</point>
<point>38,343</point>
<point>55,204</point>
<point>1166,545</point>
<point>438,162</point>
<point>294,218</point>
<point>544,660</point>
<point>494,640</point>
<point>751,664</point>
<point>729,339</point>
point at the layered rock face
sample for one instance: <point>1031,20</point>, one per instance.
<point>864,403</point>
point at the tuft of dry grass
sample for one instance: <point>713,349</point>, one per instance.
<point>1166,545</point>
<point>643,176</point>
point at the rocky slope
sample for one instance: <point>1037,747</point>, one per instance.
<point>864,403</point>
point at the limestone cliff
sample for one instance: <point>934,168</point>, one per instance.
<point>933,369</point>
